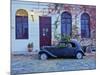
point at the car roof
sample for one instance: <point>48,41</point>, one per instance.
<point>72,41</point>
<point>76,42</point>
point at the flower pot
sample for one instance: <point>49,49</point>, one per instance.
<point>30,49</point>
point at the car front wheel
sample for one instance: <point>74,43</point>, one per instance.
<point>79,55</point>
<point>43,56</point>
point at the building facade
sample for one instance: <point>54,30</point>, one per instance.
<point>39,23</point>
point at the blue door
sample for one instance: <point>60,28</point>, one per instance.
<point>66,23</point>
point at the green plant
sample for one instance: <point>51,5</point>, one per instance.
<point>75,32</point>
<point>30,47</point>
<point>56,24</point>
<point>65,38</point>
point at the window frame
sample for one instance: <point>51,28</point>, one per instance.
<point>68,21</point>
<point>85,25</point>
<point>21,24</point>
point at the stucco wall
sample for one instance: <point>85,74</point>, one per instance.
<point>21,44</point>
<point>53,10</point>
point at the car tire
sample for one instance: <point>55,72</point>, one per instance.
<point>43,56</point>
<point>79,55</point>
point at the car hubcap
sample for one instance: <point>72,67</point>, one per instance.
<point>79,55</point>
<point>43,56</point>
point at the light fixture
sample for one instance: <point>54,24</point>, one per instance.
<point>32,15</point>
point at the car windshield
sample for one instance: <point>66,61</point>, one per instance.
<point>72,44</point>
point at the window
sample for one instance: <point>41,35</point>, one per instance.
<point>21,24</point>
<point>85,25</point>
<point>71,45</point>
<point>66,23</point>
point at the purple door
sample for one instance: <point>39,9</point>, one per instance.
<point>45,31</point>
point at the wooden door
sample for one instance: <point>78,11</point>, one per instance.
<point>45,31</point>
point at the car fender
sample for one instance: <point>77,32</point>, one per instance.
<point>49,53</point>
<point>79,51</point>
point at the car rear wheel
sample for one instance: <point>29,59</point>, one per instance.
<point>43,56</point>
<point>79,55</point>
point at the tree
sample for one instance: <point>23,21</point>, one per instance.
<point>56,24</point>
<point>75,32</point>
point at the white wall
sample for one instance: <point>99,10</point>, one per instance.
<point>33,26</point>
<point>21,44</point>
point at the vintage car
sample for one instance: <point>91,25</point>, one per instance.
<point>63,49</point>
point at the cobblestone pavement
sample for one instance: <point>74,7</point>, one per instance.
<point>27,64</point>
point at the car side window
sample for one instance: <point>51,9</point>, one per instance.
<point>71,45</point>
<point>61,45</point>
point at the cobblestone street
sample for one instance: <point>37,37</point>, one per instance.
<point>28,64</point>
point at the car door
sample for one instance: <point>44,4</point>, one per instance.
<point>58,51</point>
<point>69,50</point>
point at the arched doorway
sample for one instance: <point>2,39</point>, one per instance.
<point>21,23</point>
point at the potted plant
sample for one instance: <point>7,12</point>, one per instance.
<point>30,47</point>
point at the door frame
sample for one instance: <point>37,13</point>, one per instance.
<point>40,30</point>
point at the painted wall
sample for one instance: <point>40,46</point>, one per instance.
<point>53,10</point>
<point>18,44</point>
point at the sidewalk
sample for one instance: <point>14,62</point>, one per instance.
<point>92,54</point>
